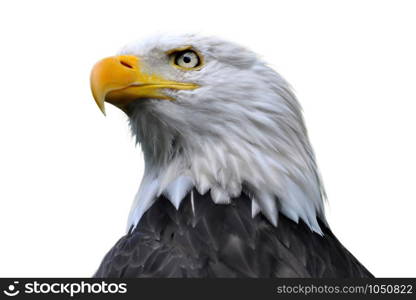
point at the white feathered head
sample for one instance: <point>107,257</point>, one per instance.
<point>210,114</point>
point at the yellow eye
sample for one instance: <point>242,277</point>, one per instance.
<point>187,59</point>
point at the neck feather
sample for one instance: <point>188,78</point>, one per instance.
<point>279,174</point>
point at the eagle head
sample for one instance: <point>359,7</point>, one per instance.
<point>210,115</point>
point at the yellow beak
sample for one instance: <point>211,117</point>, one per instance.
<point>119,80</point>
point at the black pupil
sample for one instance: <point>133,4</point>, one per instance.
<point>186,59</point>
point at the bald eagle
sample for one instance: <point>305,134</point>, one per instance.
<point>231,187</point>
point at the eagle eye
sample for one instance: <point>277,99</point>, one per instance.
<point>186,59</point>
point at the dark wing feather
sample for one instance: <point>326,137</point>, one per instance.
<point>225,241</point>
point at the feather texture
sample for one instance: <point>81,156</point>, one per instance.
<point>225,241</point>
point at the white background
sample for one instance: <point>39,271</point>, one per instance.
<point>68,175</point>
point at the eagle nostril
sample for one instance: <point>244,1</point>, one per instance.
<point>126,64</point>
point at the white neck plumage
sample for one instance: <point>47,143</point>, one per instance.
<point>267,156</point>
